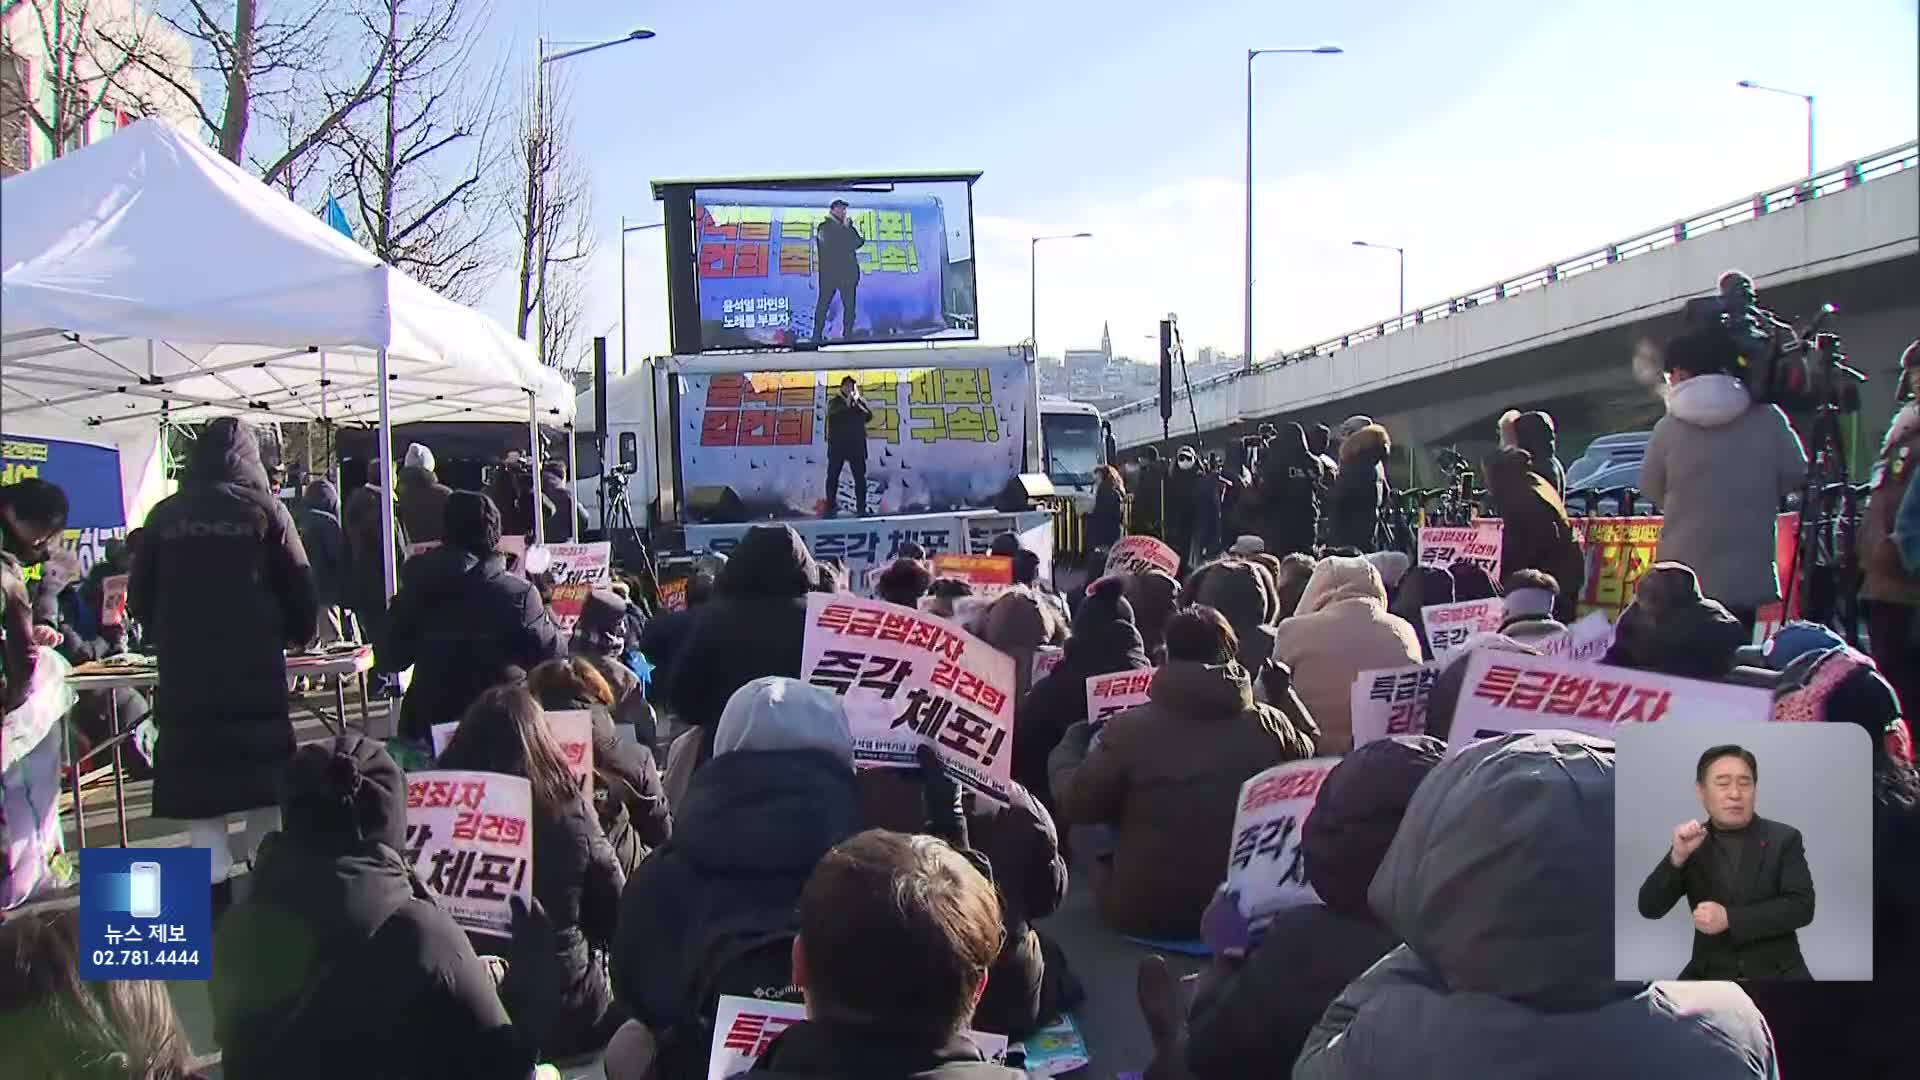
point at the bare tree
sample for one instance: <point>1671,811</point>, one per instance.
<point>94,58</point>
<point>416,169</point>
<point>552,206</point>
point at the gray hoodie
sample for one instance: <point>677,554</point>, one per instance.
<point>1717,466</point>
<point>1500,884</point>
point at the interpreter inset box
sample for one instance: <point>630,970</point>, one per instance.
<point>1743,851</point>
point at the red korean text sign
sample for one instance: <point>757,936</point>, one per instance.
<point>577,569</point>
<point>1505,692</point>
<point>1479,543</point>
<point>1448,626</point>
<point>469,840</point>
<point>907,678</point>
<point>1392,701</point>
<point>1138,554</point>
<point>1109,695</point>
<point>988,574</point>
<point>1264,865</point>
<point>743,1028</point>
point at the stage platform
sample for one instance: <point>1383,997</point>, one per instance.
<point>865,543</point>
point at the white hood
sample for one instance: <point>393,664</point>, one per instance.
<point>777,713</point>
<point>1709,400</point>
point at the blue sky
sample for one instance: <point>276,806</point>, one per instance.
<point>1485,136</point>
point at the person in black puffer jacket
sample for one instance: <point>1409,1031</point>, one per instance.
<point>1670,628</point>
<point>575,875</point>
<point>461,620</point>
<point>602,638</point>
<point>1290,483</point>
<point>1104,640</point>
<point>754,627</point>
<point>776,796</point>
<point>338,962</point>
<point>318,520</point>
<point>627,793</point>
<point>667,632</point>
<point>1424,586</point>
<point>1250,1013</point>
<point>423,498</point>
<point>1359,491</point>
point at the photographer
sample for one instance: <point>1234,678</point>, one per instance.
<point>1718,465</point>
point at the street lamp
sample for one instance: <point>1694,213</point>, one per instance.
<point>1033,286</point>
<point>1402,252</point>
<point>1320,50</point>
<point>539,173</point>
<point>1749,84</point>
<point>625,231</point>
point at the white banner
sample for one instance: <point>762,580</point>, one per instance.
<point>1480,543</point>
<point>1045,659</point>
<point>909,678</point>
<point>1448,626</point>
<point>938,437</point>
<point>577,570</point>
<point>1264,864</point>
<point>1116,693</point>
<point>866,545</point>
<point>744,1027</point>
<point>1135,554</point>
<point>1506,692</point>
<point>1586,640</point>
<point>1392,701</point>
<point>470,842</point>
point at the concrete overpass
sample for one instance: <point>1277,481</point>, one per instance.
<point>1561,337</point>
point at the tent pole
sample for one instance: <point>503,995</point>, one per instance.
<point>389,570</point>
<point>573,483</point>
<point>332,469</point>
<point>533,438</point>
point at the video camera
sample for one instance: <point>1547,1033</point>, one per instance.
<point>1799,370</point>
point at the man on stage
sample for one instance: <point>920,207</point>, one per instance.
<point>1745,877</point>
<point>837,240</point>
<point>847,417</point>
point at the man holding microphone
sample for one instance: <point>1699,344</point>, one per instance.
<point>837,239</point>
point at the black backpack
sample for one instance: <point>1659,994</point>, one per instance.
<point>746,955</point>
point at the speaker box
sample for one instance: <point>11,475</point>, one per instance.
<point>715,504</point>
<point>1022,491</point>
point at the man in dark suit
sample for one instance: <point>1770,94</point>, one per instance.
<point>847,417</point>
<point>1744,877</point>
<point>837,239</point>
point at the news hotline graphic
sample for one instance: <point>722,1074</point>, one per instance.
<point>1392,701</point>
<point>939,437</point>
<point>1108,695</point>
<point>1264,864</point>
<point>744,1027</point>
<point>470,842</point>
<point>1448,626</point>
<point>1135,554</point>
<point>146,913</point>
<point>1506,692</point>
<point>1478,543</point>
<point>908,678</point>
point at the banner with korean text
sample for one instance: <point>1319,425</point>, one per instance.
<point>577,570</point>
<point>1136,554</point>
<point>938,438</point>
<point>1620,549</point>
<point>1588,640</point>
<point>1264,864</point>
<point>469,840</point>
<point>1505,692</point>
<point>1392,701</point>
<point>989,575</point>
<point>744,1027</point>
<point>1448,626</point>
<point>866,545</point>
<point>1108,695</point>
<point>909,678</point>
<point>1478,543</point>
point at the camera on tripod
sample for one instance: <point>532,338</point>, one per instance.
<point>1800,370</point>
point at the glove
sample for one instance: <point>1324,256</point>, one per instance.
<point>1223,927</point>
<point>946,815</point>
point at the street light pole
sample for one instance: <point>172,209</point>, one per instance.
<point>543,146</point>
<point>1749,84</point>
<point>1323,50</point>
<point>625,229</point>
<point>1402,253</point>
<point>1033,285</point>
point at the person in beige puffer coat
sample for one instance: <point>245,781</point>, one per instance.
<point>1341,628</point>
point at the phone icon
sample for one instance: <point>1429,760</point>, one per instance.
<point>143,892</point>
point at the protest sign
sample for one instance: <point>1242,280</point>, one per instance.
<point>1264,864</point>
<point>1392,701</point>
<point>990,575</point>
<point>744,1027</point>
<point>1045,659</point>
<point>113,600</point>
<point>673,594</point>
<point>1137,554</point>
<point>1448,626</point>
<point>1478,543</point>
<point>470,842</point>
<point>1586,640</point>
<point>1505,692</point>
<point>909,678</point>
<point>1116,693</point>
<point>442,734</point>
<point>573,733</point>
<point>577,570</point>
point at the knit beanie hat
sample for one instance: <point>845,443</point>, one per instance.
<point>1105,602</point>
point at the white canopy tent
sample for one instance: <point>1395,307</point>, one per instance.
<point>144,280</point>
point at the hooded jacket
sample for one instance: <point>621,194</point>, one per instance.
<point>224,586</point>
<point>1537,533</point>
<point>1167,774</point>
<point>366,589</point>
<point>753,626</point>
<point>337,962</point>
<point>1291,481</point>
<point>423,498</point>
<point>1017,623</point>
<point>326,543</point>
<point>1244,592</point>
<point>1250,1016</point>
<point>1718,465</point>
<point>1342,628</point>
<point>1104,641</point>
<point>1152,595</point>
<point>1534,433</point>
<point>1507,917</point>
<point>1360,490</point>
<point>1672,629</point>
<point>1423,586</point>
<point>460,622</point>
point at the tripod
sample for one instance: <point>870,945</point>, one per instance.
<point>629,544</point>
<point>1825,558</point>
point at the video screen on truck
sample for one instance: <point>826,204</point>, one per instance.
<point>840,263</point>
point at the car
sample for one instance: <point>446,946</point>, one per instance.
<point>1607,453</point>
